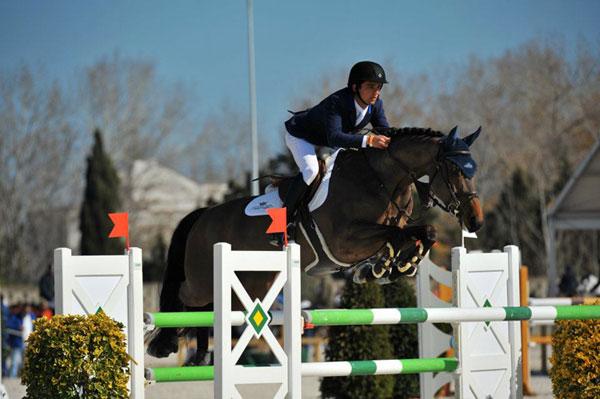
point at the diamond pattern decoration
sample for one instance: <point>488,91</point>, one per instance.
<point>258,318</point>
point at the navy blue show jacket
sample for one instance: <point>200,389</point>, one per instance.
<point>331,122</point>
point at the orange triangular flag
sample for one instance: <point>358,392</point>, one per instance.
<point>279,224</point>
<point>121,229</point>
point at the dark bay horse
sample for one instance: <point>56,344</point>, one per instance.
<point>361,224</point>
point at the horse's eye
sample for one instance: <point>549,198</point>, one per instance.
<point>454,168</point>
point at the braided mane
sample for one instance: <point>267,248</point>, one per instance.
<point>418,134</point>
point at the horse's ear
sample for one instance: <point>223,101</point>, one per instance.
<point>453,135</point>
<point>472,137</point>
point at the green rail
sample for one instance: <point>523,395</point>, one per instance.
<point>333,317</point>
<point>318,369</point>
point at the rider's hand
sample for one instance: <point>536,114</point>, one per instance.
<point>377,141</point>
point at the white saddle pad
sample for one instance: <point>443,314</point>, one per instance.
<point>259,205</point>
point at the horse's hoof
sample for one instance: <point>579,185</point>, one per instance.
<point>163,346</point>
<point>403,269</point>
<point>385,280</point>
<point>363,274</point>
<point>198,359</point>
<point>377,271</point>
<point>157,351</point>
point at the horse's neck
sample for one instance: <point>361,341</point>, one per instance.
<point>404,160</point>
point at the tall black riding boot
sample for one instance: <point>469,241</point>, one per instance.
<point>292,199</point>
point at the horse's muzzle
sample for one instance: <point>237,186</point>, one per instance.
<point>474,216</point>
<point>474,224</point>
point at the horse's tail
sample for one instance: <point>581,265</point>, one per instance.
<point>163,342</point>
<point>175,273</point>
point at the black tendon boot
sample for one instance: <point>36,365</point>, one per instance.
<point>292,199</point>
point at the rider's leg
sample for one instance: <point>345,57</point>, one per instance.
<point>305,157</point>
<point>292,199</point>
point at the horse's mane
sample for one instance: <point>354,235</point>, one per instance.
<point>416,134</point>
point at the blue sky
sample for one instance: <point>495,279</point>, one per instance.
<point>203,44</point>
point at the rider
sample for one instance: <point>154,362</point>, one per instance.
<point>332,123</point>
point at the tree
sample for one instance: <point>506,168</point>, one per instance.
<point>516,220</point>
<point>37,171</point>
<point>359,343</point>
<point>101,197</point>
<point>137,114</point>
<point>155,265</point>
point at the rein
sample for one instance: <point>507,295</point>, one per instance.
<point>401,211</point>
<point>428,198</point>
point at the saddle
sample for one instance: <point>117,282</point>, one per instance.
<point>283,182</point>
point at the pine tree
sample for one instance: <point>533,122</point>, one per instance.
<point>516,220</point>
<point>404,337</point>
<point>155,266</point>
<point>359,343</point>
<point>101,197</point>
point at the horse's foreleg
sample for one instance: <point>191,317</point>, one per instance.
<point>418,242</point>
<point>400,255</point>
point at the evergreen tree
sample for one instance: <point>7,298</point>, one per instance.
<point>359,343</point>
<point>404,337</point>
<point>154,267</point>
<point>101,197</point>
<point>516,220</point>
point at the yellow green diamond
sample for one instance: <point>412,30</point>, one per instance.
<point>258,318</point>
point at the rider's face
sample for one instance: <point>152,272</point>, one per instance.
<point>369,91</point>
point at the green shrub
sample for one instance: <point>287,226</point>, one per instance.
<point>359,343</point>
<point>76,357</point>
<point>404,337</point>
<point>575,359</point>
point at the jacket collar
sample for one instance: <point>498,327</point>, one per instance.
<point>349,99</point>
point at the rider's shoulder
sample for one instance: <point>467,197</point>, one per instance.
<point>342,96</point>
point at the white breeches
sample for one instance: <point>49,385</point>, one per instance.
<point>305,156</point>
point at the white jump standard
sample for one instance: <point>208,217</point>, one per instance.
<point>79,281</point>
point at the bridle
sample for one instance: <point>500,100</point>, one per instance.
<point>428,198</point>
<point>455,205</point>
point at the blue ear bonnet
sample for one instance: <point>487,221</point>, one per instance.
<point>457,151</point>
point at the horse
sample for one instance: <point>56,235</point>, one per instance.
<point>363,223</point>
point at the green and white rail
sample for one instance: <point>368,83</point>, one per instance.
<point>316,369</point>
<point>474,307</point>
<point>343,317</point>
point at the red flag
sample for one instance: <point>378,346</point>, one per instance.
<point>121,229</point>
<point>279,224</point>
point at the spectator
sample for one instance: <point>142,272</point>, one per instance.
<point>568,283</point>
<point>44,310</point>
<point>28,318</point>
<point>4,312</point>
<point>14,325</point>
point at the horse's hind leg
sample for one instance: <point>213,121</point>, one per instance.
<point>202,334</point>
<point>164,341</point>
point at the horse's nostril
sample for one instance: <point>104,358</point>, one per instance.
<point>474,224</point>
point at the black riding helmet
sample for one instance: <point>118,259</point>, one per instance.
<point>366,70</point>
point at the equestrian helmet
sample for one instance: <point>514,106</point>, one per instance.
<point>366,70</point>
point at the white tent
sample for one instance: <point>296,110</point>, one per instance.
<point>577,207</point>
